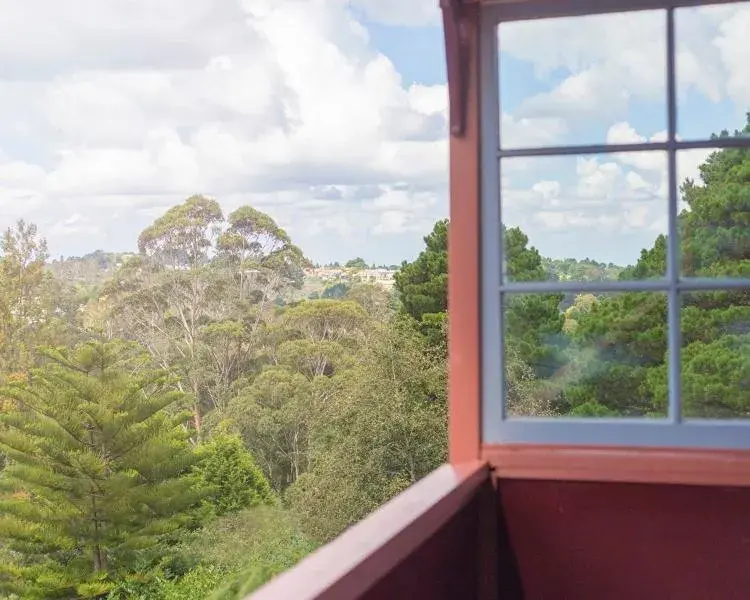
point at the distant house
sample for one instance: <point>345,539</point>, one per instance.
<point>381,276</point>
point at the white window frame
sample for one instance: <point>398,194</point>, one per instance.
<point>671,431</point>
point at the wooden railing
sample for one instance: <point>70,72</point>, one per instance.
<point>434,540</point>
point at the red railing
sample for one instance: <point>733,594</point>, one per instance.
<point>431,541</point>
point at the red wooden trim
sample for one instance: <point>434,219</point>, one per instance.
<point>616,464</point>
<point>464,267</point>
<point>355,561</point>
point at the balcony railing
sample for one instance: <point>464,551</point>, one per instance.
<point>434,540</point>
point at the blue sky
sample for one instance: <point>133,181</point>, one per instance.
<point>330,115</point>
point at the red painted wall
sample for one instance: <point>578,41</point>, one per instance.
<point>443,568</point>
<point>614,541</point>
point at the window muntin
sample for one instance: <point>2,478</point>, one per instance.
<point>675,424</point>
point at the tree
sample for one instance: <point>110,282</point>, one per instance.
<point>274,415</point>
<point>280,410</point>
<point>356,263</point>
<point>33,305</point>
<point>200,291</point>
<point>326,320</point>
<point>377,302</point>
<point>385,429</point>
<point>261,255</point>
<point>227,471</point>
<point>335,291</point>
<point>166,310</point>
<point>97,472</point>
<point>624,336</point>
<point>534,321</point>
<point>614,344</point>
<point>534,327</point>
<point>582,305</point>
<point>24,255</point>
<point>422,285</point>
<point>184,236</point>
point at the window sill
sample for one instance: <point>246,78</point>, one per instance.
<point>620,464</point>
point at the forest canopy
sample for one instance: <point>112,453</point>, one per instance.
<point>175,424</point>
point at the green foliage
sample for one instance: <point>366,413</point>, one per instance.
<point>534,321</point>
<point>97,477</point>
<point>233,555</point>
<point>275,415</point>
<point>356,263</point>
<point>582,305</point>
<point>386,430</point>
<point>331,404</point>
<point>652,263</point>
<point>35,308</point>
<point>714,379</point>
<point>534,326</point>
<point>570,269</point>
<point>229,476</point>
<point>197,584</point>
<point>377,302</point>
<point>199,291</point>
<point>183,236</point>
<point>619,345</point>
<point>259,250</point>
<point>335,291</point>
<point>274,545</point>
<point>423,284</point>
<point>592,409</point>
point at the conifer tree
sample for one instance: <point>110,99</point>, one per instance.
<point>230,477</point>
<point>97,473</point>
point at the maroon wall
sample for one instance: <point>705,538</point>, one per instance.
<point>612,541</point>
<point>443,568</point>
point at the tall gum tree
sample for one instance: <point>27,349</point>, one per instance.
<point>199,292</point>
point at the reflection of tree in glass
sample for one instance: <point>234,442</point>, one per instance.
<point>628,374</point>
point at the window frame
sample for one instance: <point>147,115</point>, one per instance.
<point>672,431</point>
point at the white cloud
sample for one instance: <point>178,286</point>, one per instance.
<point>610,59</point>
<point>606,206</point>
<point>549,190</point>
<point>623,133</point>
<point>133,105</point>
<point>409,13</point>
<point>734,49</point>
<point>76,224</point>
<point>595,68</point>
<point>520,132</point>
<point>429,99</point>
<point>596,181</point>
<point>41,38</point>
<point>116,110</point>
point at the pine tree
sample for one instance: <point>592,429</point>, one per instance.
<point>230,476</point>
<point>97,474</point>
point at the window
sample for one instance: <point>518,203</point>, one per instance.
<point>662,354</point>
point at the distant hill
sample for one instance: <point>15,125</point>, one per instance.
<point>90,271</point>
<point>570,269</point>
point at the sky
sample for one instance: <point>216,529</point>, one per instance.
<point>330,115</point>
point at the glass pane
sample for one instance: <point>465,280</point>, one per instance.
<point>715,355</point>
<point>584,355</point>
<point>584,218</point>
<point>712,64</point>
<point>714,222</point>
<point>583,80</point>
